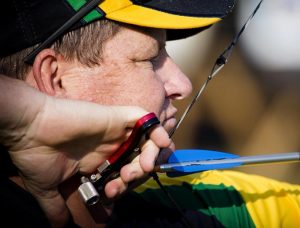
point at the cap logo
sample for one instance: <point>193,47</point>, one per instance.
<point>91,16</point>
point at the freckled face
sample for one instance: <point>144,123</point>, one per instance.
<point>135,70</point>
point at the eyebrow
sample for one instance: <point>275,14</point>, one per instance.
<point>156,47</point>
<point>160,39</point>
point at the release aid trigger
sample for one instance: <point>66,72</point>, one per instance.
<point>91,189</point>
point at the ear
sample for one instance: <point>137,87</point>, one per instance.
<point>45,72</point>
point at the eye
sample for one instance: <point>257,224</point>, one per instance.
<point>157,60</point>
<point>154,61</point>
<point>151,62</point>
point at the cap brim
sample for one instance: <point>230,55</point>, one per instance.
<point>138,15</point>
<point>167,15</point>
<point>175,34</point>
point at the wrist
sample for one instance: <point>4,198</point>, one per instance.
<point>20,105</point>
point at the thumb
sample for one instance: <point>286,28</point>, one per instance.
<point>127,114</point>
<point>120,119</point>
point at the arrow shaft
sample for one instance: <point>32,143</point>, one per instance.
<point>246,160</point>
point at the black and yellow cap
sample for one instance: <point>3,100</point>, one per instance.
<point>168,14</point>
<point>27,22</point>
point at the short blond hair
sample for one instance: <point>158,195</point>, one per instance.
<point>83,44</point>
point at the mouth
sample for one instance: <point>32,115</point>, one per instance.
<point>168,118</point>
<point>169,123</point>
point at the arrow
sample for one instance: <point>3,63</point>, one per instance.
<point>183,162</point>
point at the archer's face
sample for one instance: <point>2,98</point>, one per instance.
<point>135,70</point>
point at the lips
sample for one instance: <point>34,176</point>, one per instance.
<point>169,123</point>
<point>167,116</point>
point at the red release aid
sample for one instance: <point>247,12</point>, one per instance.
<point>110,169</point>
<point>141,127</point>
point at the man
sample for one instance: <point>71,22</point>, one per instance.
<point>122,63</point>
<point>144,69</point>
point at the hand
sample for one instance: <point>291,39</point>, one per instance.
<point>135,173</point>
<point>52,139</point>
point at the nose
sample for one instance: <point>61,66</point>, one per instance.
<point>176,83</point>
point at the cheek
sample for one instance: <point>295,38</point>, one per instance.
<point>152,97</point>
<point>145,91</point>
<point>122,86</point>
<point>87,88</point>
<point>137,85</point>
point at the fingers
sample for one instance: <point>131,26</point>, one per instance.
<point>164,154</point>
<point>150,149</point>
<point>137,170</point>
<point>128,173</point>
<point>115,188</point>
<point>160,137</point>
<point>147,157</point>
